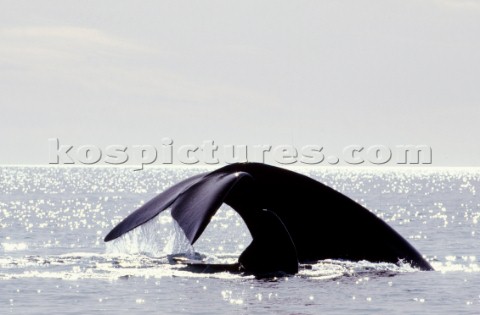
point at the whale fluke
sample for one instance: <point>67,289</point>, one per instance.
<point>292,219</point>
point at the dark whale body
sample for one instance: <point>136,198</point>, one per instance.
<point>292,219</point>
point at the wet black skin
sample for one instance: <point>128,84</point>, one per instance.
<point>292,218</point>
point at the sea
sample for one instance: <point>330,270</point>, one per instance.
<point>53,259</point>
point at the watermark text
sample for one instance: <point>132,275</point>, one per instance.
<point>208,152</point>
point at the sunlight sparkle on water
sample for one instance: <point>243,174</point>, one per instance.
<point>53,221</point>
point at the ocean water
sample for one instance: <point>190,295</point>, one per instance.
<point>53,259</point>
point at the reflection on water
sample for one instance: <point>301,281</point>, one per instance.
<point>53,258</point>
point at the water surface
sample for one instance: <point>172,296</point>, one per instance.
<point>53,259</point>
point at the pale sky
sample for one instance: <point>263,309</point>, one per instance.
<point>330,73</point>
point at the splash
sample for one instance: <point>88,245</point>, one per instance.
<point>329,269</point>
<point>159,237</point>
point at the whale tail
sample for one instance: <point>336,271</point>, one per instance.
<point>291,217</point>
